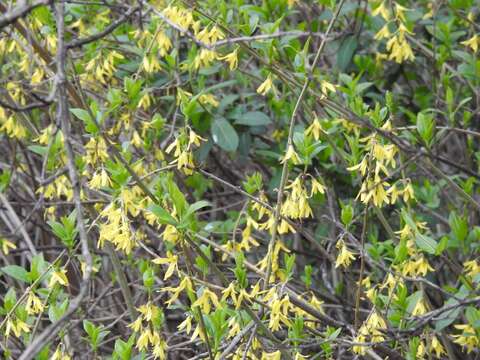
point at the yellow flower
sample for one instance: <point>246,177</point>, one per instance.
<point>59,354</point>
<point>58,277</point>
<point>382,33</point>
<point>266,86</point>
<point>277,355</point>
<point>317,187</point>
<point>468,338</point>
<point>419,308</point>
<point>399,11</point>
<point>144,339</point>
<point>291,155</point>
<point>279,312</point>
<point>359,349</point>
<point>148,311</point>
<point>186,324</point>
<point>164,43</point>
<point>231,59</point>
<point>400,50</point>
<point>471,268</point>
<point>37,76</point>
<point>382,10</point>
<point>204,58</point>
<point>171,260</point>
<point>345,256</point>
<point>185,284</point>
<point>7,245</point>
<point>145,101</point>
<point>437,347</point>
<point>326,87</point>
<point>408,192</point>
<point>208,99</point>
<point>473,42</point>
<point>136,325</point>
<point>34,304</point>
<point>230,292</point>
<point>314,129</point>
<point>20,327</point>
<point>206,300</point>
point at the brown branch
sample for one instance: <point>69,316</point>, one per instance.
<point>110,28</point>
<point>19,11</point>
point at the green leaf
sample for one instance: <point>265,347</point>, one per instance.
<point>196,206</point>
<point>81,114</point>
<point>17,272</point>
<point>162,215</point>
<point>224,135</point>
<point>253,118</point>
<point>346,51</point>
<point>177,197</point>
<point>56,311</point>
<point>425,127</point>
<point>426,243</point>
<point>84,115</point>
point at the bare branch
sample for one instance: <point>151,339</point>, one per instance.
<point>20,10</point>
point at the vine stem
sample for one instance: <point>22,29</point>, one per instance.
<point>284,176</point>
<point>362,270</point>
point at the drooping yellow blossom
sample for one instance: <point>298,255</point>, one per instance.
<point>266,86</point>
<point>471,268</point>
<point>277,355</point>
<point>279,312</point>
<point>60,354</point>
<point>164,43</point>
<point>100,179</point>
<point>34,304</point>
<point>149,311</point>
<point>399,49</point>
<point>171,260</point>
<point>382,10</point>
<point>327,87</point>
<point>206,300</point>
<point>231,59</point>
<point>437,347</point>
<point>420,308</point>
<point>208,99</point>
<point>383,33</point>
<point>7,245</point>
<point>473,43</point>
<point>185,284</point>
<point>116,229</point>
<point>345,256</point>
<point>58,277</point>
<point>314,129</point>
<point>417,266</point>
<point>290,155</point>
<point>370,331</point>
<point>468,338</point>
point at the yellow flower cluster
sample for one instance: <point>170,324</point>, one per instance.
<point>146,326</point>
<point>370,331</point>
<point>183,145</point>
<point>116,229</point>
<point>398,47</point>
<point>416,263</point>
<point>17,326</point>
<point>11,126</point>
<point>102,68</point>
<point>468,338</point>
<point>375,165</point>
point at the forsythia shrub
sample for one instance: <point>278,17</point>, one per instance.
<point>276,179</point>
